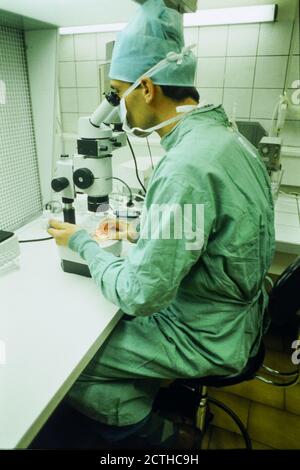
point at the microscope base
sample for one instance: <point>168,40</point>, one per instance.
<point>72,262</point>
<point>75,268</point>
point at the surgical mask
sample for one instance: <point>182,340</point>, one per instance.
<point>181,110</point>
<point>138,132</point>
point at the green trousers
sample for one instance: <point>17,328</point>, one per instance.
<point>121,381</point>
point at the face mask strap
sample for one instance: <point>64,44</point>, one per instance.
<point>166,123</point>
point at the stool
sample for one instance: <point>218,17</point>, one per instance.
<point>192,395</point>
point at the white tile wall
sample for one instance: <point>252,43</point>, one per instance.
<point>68,100</point>
<point>243,40</point>
<point>66,49</point>
<point>69,122</point>
<point>238,99</point>
<point>67,75</point>
<point>239,72</point>
<point>270,72</point>
<point>213,41</point>
<point>264,102</point>
<point>296,39</point>
<point>294,70</point>
<point>87,74</point>
<point>88,100</point>
<point>85,46</point>
<point>211,95</point>
<point>239,65</point>
<point>210,72</point>
<point>291,133</point>
<point>275,38</point>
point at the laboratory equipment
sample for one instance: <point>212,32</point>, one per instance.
<point>252,130</point>
<point>90,172</point>
<point>270,151</point>
<point>9,249</point>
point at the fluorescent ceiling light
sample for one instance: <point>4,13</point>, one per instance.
<point>219,16</point>
<point>101,28</point>
<point>236,15</point>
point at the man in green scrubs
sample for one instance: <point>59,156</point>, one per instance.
<point>194,303</point>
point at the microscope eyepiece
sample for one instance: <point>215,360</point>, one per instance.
<point>113,98</point>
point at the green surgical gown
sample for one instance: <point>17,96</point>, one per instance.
<point>190,312</point>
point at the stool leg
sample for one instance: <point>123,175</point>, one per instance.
<point>202,410</point>
<point>236,419</point>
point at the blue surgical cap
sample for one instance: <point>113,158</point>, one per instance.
<point>154,32</point>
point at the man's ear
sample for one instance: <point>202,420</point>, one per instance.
<point>148,90</point>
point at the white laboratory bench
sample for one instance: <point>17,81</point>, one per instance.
<point>52,323</point>
<point>287,232</point>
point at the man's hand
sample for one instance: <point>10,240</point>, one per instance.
<point>62,231</point>
<point>116,229</point>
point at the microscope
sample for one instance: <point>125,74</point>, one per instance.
<point>90,172</point>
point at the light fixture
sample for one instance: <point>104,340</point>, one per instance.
<point>211,17</point>
<point>101,28</point>
<point>236,15</point>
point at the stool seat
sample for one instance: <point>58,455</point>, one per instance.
<point>248,373</point>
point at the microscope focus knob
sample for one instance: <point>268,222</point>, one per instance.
<point>59,184</point>
<point>83,178</point>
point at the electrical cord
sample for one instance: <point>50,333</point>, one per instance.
<point>35,240</point>
<point>150,153</point>
<point>129,203</point>
<point>135,164</point>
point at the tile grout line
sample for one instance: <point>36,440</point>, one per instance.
<point>75,74</point>
<point>255,67</point>
<point>225,65</point>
